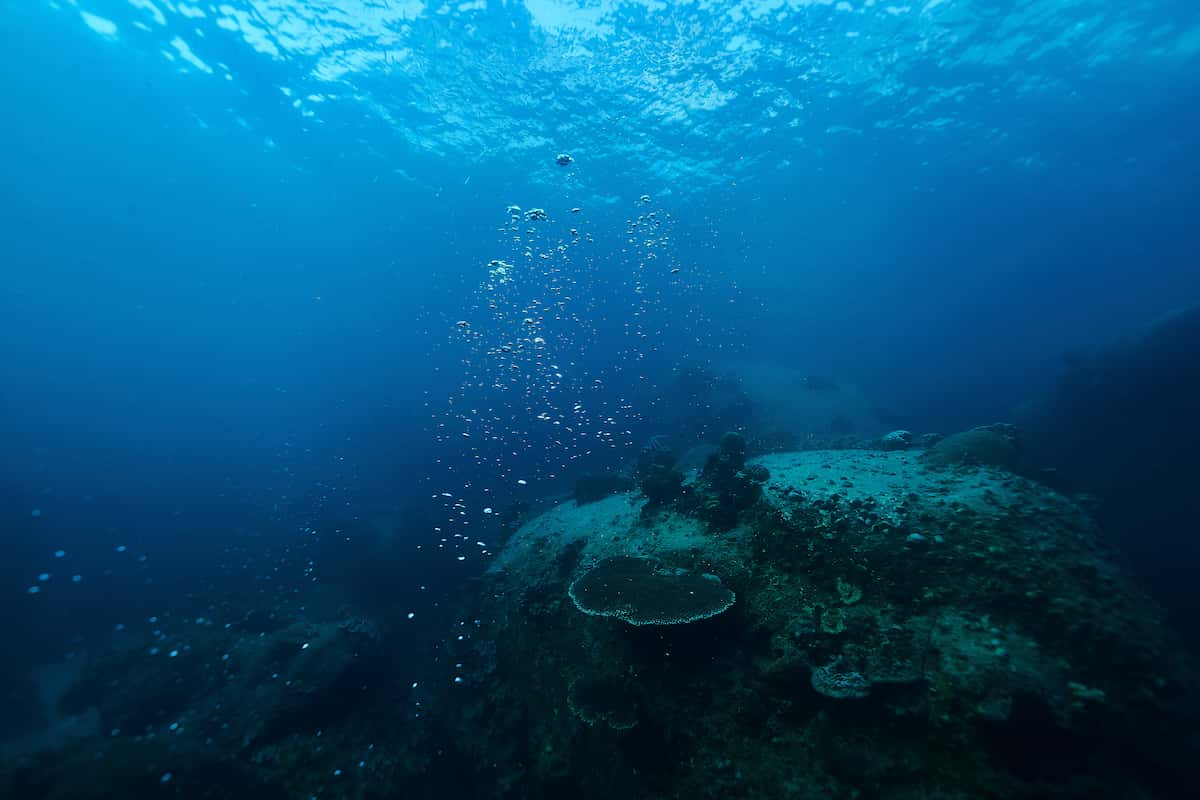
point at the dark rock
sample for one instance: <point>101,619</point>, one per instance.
<point>725,489</point>
<point>733,449</point>
<point>657,477</point>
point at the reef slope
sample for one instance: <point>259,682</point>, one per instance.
<point>899,631</point>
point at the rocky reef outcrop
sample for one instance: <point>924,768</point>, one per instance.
<point>834,624</point>
<point>901,629</point>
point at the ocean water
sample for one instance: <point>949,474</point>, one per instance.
<point>307,307</point>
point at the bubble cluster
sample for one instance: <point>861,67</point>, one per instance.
<point>559,347</point>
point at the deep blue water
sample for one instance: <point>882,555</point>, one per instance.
<point>237,239</point>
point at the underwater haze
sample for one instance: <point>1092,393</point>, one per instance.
<point>599,398</point>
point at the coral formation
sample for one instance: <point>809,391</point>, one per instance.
<point>657,477</point>
<point>928,440</point>
<point>896,440</point>
<point>990,446</point>
<point>603,700</point>
<point>839,683</point>
<point>726,486</point>
<point>641,592</point>
<point>899,632</point>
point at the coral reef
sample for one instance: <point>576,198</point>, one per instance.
<point>641,592</point>
<point>861,624</point>
<point>900,631</point>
